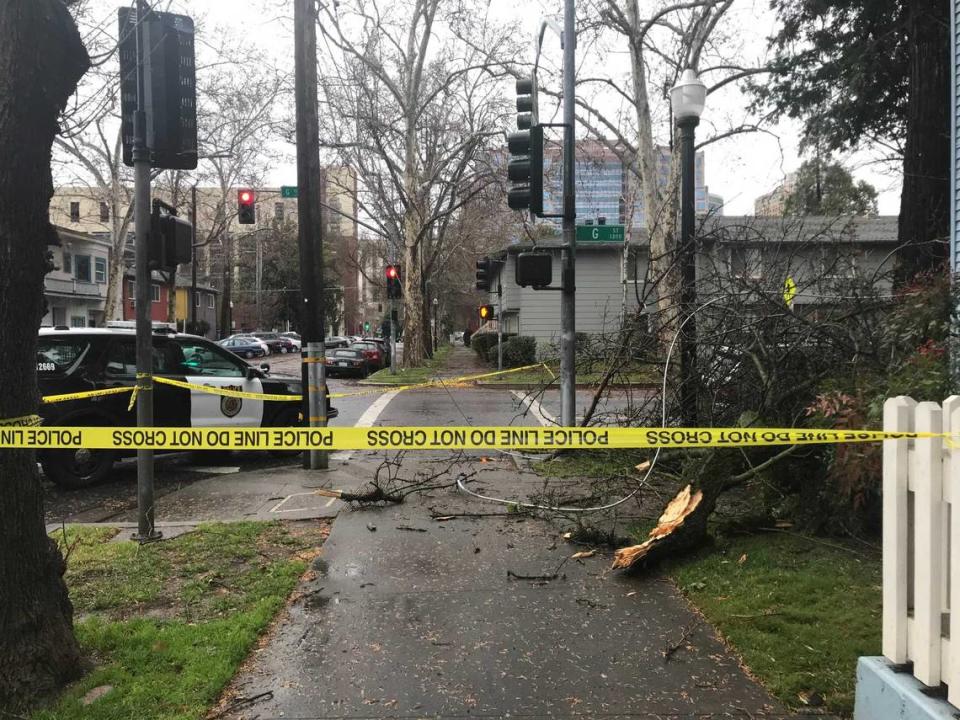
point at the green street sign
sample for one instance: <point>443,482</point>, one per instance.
<point>600,233</point>
<point>289,191</point>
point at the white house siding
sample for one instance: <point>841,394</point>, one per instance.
<point>73,301</point>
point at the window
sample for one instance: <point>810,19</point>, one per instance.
<point>196,299</point>
<point>208,359</point>
<point>67,263</point>
<point>75,211</point>
<point>78,321</point>
<point>132,291</point>
<point>122,358</point>
<point>82,268</point>
<point>104,212</point>
<point>56,354</point>
<point>210,301</point>
<point>745,263</point>
<point>155,293</point>
<point>278,211</point>
<point>100,269</point>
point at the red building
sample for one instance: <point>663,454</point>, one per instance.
<point>160,299</point>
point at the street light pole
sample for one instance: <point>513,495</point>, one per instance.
<point>568,294</point>
<point>687,99</point>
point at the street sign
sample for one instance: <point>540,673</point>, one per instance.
<point>169,87</point>
<point>789,291</point>
<point>600,233</point>
<point>289,191</point>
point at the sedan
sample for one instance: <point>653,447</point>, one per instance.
<point>243,347</point>
<point>347,362</point>
<point>372,352</point>
<point>293,338</point>
<point>273,341</point>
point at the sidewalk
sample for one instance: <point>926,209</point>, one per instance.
<point>413,617</point>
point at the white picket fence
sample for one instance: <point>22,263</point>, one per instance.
<point>921,574</point>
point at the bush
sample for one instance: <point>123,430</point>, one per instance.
<point>517,352</point>
<point>482,342</point>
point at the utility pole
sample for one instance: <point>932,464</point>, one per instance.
<point>689,381</point>
<point>310,231</point>
<point>500,318</point>
<point>193,258</point>
<point>394,315</point>
<point>568,294</point>
<point>146,530</point>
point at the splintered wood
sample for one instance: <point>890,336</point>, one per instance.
<point>672,518</point>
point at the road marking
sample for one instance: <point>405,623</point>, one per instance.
<point>367,419</point>
<point>536,409</point>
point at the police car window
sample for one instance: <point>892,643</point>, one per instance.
<point>122,358</point>
<point>206,359</point>
<point>57,354</point>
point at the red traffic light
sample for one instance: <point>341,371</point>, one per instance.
<point>392,272</point>
<point>246,196</point>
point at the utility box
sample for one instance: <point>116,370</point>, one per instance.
<point>534,269</point>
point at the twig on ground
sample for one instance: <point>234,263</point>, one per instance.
<point>511,575</point>
<point>670,650</point>
<point>240,703</point>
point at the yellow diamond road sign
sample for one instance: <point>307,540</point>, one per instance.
<point>789,291</point>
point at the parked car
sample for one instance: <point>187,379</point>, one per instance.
<point>347,362</point>
<point>79,359</point>
<point>287,345</point>
<point>335,341</point>
<point>273,341</point>
<point>244,347</point>
<point>383,344</point>
<point>372,352</point>
<point>251,339</point>
<point>293,338</point>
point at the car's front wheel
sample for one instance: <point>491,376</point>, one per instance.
<point>76,469</point>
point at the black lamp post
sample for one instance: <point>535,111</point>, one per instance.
<point>687,100</point>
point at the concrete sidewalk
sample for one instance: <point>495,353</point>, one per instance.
<point>409,616</point>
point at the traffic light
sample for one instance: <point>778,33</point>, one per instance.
<point>394,286</point>
<point>246,207</point>
<point>483,273</point>
<point>171,238</point>
<point>366,326</point>
<point>525,167</point>
<point>486,313</point>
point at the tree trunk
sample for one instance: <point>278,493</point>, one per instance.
<point>41,60</point>
<point>113,307</point>
<point>925,201</point>
<point>414,350</point>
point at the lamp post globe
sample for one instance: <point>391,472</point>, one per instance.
<point>689,96</point>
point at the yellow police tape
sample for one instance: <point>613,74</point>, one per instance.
<point>452,382</point>
<point>429,438</point>
<point>22,421</point>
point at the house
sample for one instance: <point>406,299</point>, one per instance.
<point>76,289</point>
<point>206,304</point>
<point>823,257</point>
<point>159,297</point>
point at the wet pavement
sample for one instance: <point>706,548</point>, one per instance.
<point>410,616</point>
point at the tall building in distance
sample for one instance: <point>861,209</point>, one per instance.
<point>772,204</point>
<point>602,187</point>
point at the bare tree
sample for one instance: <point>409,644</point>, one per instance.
<point>413,108</point>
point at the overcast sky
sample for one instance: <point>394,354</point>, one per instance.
<point>739,169</point>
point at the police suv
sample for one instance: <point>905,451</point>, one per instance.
<point>71,360</point>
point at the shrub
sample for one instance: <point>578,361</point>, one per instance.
<point>482,342</point>
<point>517,352</point>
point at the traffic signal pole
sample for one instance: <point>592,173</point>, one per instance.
<point>500,319</point>
<point>310,230</point>
<point>146,530</point>
<point>568,311</point>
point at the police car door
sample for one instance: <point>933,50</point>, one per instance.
<point>207,364</point>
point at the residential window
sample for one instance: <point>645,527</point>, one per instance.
<point>75,211</point>
<point>104,212</point>
<point>210,301</point>
<point>132,291</point>
<point>278,211</point>
<point>100,269</point>
<point>78,321</point>
<point>196,299</point>
<point>82,268</point>
<point>155,293</point>
<point>67,263</point>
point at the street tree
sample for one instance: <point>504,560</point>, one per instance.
<point>874,74</point>
<point>825,187</point>
<point>42,58</point>
<point>412,106</point>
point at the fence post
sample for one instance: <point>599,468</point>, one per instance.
<point>897,417</point>
<point>951,416</point>
<point>927,472</point>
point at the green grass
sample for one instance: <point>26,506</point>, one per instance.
<point>168,624</point>
<point>798,612</point>
<point>412,376</point>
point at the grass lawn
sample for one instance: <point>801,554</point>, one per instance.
<point>797,611</point>
<point>168,624</point>
<point>414,375</point>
